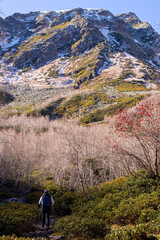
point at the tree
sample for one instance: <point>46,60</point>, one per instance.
<point>138,137</point>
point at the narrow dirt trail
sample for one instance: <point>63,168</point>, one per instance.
<point>42,232</point>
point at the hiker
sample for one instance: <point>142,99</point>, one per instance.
<point>45,202</point>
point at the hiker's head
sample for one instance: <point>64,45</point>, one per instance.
<point>46,192</point>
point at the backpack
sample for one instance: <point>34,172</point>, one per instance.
<point>46,201</point>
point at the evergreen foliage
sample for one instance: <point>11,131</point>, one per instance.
<point>131,204</point>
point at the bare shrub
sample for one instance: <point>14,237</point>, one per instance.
<point>77,156</point>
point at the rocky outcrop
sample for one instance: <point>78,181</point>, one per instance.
<point>5,97</point>
<point>19,200</point>
<point>142,34</point>
<point>16,28</point>
<point>130,18</point>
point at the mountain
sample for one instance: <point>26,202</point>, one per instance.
<point>70,48</point>
<point>79,63</point>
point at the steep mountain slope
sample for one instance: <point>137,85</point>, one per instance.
<point>71,47</point>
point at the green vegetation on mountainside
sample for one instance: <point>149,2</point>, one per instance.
<point>32,110</point>
<point>81,103</point>
<point>86,66</point>
<point>88,107</point>
<point>119,84</point>
<point>129,87</point>
<point>94,106</point>
<point>41,39</point>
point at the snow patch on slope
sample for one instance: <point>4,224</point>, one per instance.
<point>37,77</point>
<point>107,34</point>
<point>94,14</point>
<point>6,44</point>
<point>27,19</point>
<point>103,67</point>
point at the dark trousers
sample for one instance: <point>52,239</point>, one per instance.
<point>45,213</point>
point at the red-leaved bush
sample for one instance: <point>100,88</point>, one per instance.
<point>137,141</point>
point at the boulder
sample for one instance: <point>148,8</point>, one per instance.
<point>20,200</point>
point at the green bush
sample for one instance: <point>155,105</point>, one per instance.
<point>39,130</point>
<point>108,204</point>
<point>33,197</point>
<point>140,182</point>
<point>113,187</point>
<point>6,195</point>
<point>85,228</point>
<point>127,212</point>
<point>63,199</point>
<point>50,185</point>
<point>147,215</point>
<point>18,218</point>
<point>128,200</point>
<point>26,69</point>
<point>64,202</point>
<point>139,232</point>
<point>130,210</point>
<point>13,237</point>
<point>79,104</point>
<point>82,207</point>
<point>98,208</point>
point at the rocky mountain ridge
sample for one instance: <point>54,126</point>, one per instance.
<point>72,48</point>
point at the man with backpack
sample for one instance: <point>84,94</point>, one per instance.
<point>45,202</point>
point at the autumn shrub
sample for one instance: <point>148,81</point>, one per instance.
<point>85,228</point>
<point>17,218</point>
<point>140,126</point>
